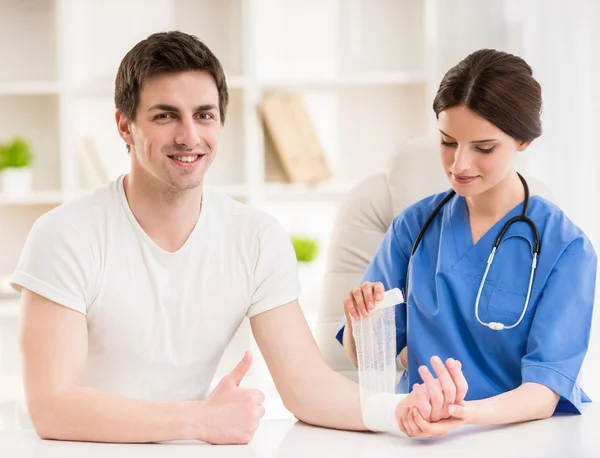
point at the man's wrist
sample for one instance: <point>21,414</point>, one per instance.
<point>379,412</point>
<point>191,427</point>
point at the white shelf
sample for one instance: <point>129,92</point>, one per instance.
<point>358,79</point>
<point>35,198</point>
<point>9,308</point>
<point>106,87</point>
<point>233,190</point>
<point>10,388</point>
<point>29,88</point>
<point>307,191</point>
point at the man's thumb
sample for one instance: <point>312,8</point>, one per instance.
<point>238,373</point>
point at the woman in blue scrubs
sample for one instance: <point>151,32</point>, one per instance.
<point>488,110</point>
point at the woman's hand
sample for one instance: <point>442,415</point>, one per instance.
<point>361,300</point>
<point>435,398</point>
<point>450,388</point>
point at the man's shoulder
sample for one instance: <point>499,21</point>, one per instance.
<point>85,211</point>
<point>238,215</point>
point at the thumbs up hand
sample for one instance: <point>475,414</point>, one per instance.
<point>230,414</point>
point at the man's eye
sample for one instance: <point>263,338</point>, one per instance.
<point>163,116</point>
<point>206,116</point>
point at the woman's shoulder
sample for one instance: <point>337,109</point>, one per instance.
<point>417,213</point>
<point>557,231</point>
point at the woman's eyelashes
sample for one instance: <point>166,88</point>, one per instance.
<point>481,150</point>
<point>449,144</point>
<point>486,150</point>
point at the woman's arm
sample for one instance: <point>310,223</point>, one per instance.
<point>530,401</point>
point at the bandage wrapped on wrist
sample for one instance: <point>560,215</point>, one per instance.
<point>375,337</point>
<point>379,412</point>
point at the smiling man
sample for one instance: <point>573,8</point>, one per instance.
<point>131,294</point>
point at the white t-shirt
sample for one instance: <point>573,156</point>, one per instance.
<point>158,322</point>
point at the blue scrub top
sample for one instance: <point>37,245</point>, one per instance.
<point>547,347</point>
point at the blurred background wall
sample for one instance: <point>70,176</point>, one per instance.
<point>366,71</point>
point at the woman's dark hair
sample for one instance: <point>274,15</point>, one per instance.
<point>497,86</point>
<point>165,52</point>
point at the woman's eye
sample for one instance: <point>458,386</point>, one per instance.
<point>486,150</point>
<point>449,144</point>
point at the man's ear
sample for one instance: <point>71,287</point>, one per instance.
<point>124,127</point>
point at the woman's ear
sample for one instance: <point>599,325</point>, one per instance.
<point>522,146</point>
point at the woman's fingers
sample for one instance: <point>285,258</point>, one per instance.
<point>436,397</point>
<point>367,294</point>
<point>350,306</point>
<point>378,290</point>
<point>455,369</point>
<point>446,381</point>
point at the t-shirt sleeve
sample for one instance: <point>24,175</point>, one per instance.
<point>389,266</point>
<point>276,279</point>
<point>560,331</point>
<point>56,263</point>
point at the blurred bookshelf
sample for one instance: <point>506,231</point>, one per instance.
<point>362,72</point>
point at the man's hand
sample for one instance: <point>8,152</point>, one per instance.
<point>230,414</point>
<point>417,426</point>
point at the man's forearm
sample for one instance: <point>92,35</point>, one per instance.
<point>86,414</point>
<point>330,399</point>
<point>530,401</point>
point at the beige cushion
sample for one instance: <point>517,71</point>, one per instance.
<point>413,172</point>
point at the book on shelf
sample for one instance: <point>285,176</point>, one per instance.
<point>91,169</point>
<point>294,138</point>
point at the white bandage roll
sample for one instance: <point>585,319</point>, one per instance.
<point>375,337</point>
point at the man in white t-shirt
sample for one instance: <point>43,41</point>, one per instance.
<point>131,294</point>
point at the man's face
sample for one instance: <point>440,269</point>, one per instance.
<point>176,131</point>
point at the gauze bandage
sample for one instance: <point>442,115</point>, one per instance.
<point>375,337</point>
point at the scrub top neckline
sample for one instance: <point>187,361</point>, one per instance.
<point>463,235</point>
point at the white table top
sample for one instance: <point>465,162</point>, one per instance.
<point>560,436</point>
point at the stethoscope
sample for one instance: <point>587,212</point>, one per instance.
<point>536,250</point>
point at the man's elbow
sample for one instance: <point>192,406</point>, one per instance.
<point>43,425</point>
<point>45,422</point>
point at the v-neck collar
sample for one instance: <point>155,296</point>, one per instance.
<point>147,239</point>
<point>462,234</point>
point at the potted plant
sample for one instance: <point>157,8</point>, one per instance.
<point>15,167</point>
<point>306,248</point>
<point>310,271</point>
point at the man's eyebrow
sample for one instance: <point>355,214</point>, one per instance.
<point>174,109</point>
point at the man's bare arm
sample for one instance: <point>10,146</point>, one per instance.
<point>54,344</point>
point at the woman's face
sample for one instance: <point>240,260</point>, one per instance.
<point>475,154</point>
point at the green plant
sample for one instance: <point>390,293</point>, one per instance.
<point>16,153</point>
<point>306,248</point>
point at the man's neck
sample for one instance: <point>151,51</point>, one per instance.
<point>167,216</point>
